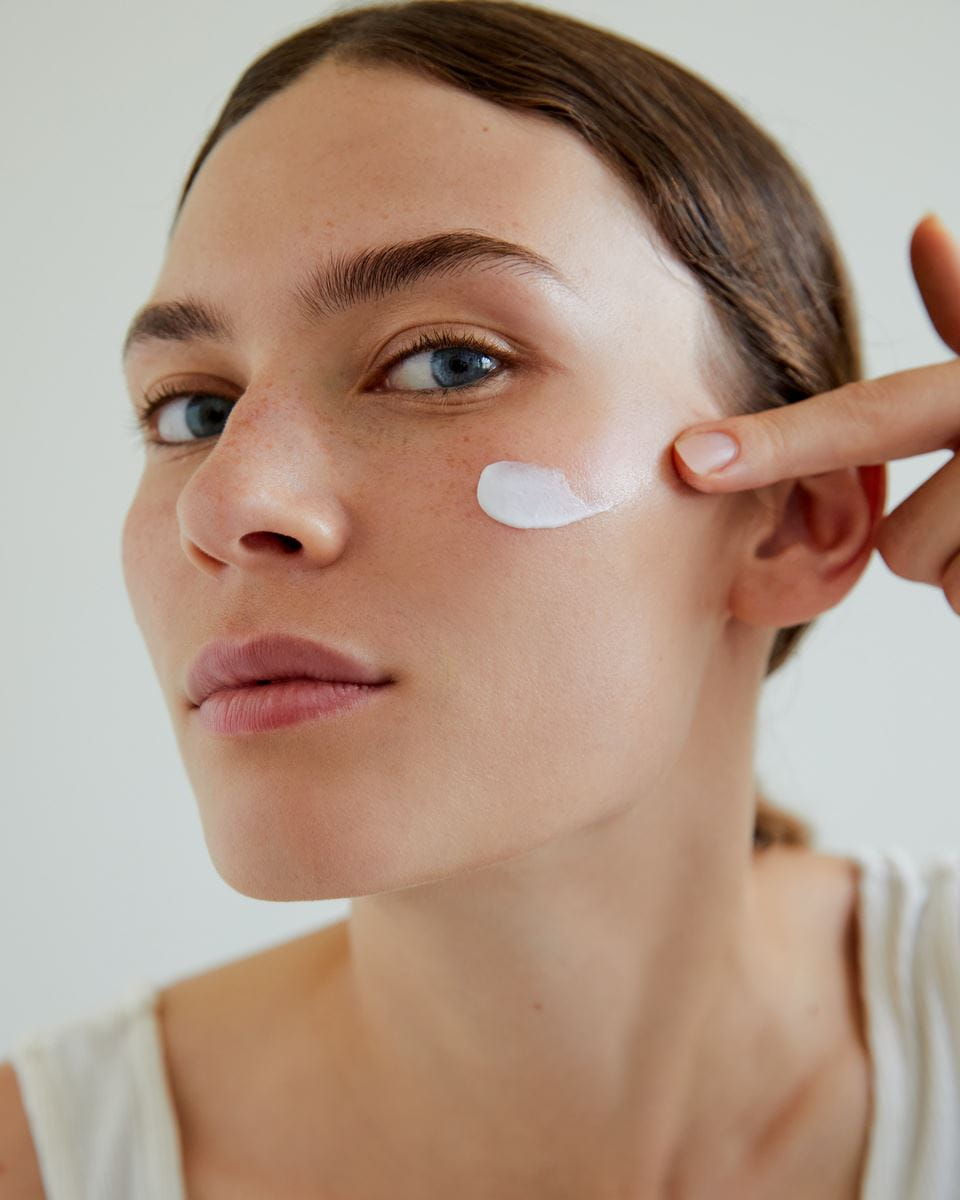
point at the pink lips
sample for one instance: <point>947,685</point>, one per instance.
<point>273,680</point>
<point>255,709</point>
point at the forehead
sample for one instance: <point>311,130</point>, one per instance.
<point>350,156</point>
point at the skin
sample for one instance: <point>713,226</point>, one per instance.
<point>566,973</point>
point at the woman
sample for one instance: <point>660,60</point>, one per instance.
<point>446,282</point>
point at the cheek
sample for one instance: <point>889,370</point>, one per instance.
<point>570,672</point>
<point>527,495</point>
<point>620,596</point>
<point>531,496</point>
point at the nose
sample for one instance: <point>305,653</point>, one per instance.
<point>268,490</point>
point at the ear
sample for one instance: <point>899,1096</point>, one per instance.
<point>809,546</point>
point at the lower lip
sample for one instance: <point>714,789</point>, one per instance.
<point>258,708</point>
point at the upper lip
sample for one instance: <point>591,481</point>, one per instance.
<point>228,664</point>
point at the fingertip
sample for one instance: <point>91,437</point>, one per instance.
<point>934,219</point>
<point>706,453</point>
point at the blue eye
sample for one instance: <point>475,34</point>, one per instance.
<point>452,363</point>
<point>447,367</point>
<point>196,416</point>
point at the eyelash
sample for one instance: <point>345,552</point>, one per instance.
<point>141,423</point>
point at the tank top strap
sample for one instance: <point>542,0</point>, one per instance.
<point>99,1106</point>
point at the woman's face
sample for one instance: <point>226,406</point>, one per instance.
<point>545,675</point>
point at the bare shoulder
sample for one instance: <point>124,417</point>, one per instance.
<point>238,1021</point>
<point>229,998</point>
<point>206,1021</point>
<point>20,1177</point>
<point>816,897</point>
<point>821,884</point>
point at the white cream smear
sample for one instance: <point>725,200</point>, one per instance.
<point>531,496</point>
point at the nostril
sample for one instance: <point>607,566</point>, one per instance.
<point>286,544</point>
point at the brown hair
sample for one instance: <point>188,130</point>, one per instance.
<point>720,192</point>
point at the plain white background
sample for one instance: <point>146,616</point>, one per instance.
<point>104,874</point>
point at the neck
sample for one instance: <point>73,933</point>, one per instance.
<point>605,1010</point>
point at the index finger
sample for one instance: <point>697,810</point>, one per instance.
<point>863,422</point>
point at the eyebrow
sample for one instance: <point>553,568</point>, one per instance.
<point>347,280</point>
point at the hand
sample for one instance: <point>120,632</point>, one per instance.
<point>872,421</point>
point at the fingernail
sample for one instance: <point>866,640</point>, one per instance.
<point>706,452</point>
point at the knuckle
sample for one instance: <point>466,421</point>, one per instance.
<point>901,544</point>
<point>865,404</point>
<point>774,436</point>
<point>891,556</point>
<point>951,583</point>
<point>896,547</point>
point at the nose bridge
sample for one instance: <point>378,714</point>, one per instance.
<point>279,423</point>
